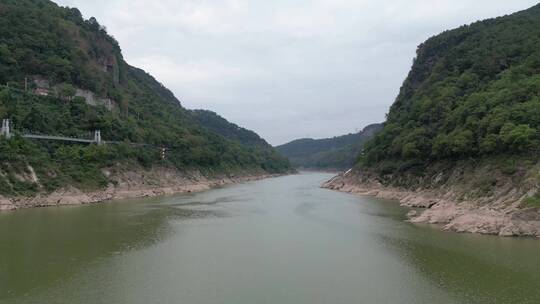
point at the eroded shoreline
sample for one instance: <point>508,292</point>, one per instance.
<point>132,184</point>
<point>501,216</point>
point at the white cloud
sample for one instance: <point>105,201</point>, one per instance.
<point>190,73</point>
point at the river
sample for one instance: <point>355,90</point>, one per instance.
<point>280,240</point>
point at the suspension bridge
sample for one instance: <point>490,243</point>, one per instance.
<point>7,133</point>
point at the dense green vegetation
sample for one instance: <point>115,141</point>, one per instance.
<point>339,152</point>
<point>39,40</point>
<point>472,92</point>
<point>215,123</point>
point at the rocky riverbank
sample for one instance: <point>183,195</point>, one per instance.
<point>501,212</point>
<point>132,184</point>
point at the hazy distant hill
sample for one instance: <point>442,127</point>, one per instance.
<point>330,153</point>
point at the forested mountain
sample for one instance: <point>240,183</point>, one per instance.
<point>65,75</point>
<point>472,92</point>
<point>462,139</point>
<point>340,152</point>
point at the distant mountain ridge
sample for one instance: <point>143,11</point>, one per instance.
<point>338,152</point>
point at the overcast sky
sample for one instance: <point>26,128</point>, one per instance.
<point>284,68</point>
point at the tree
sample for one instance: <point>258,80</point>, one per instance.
<point>410,150</point>
<point>490,144</point>
<point>441,146</point>
<point>462,142</point>
<point>517,138</point>
<point>67,91</point>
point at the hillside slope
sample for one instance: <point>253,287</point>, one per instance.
<point>268,158</point>
<point>340,152</point>
<point>219,125</point>
<point>66,76</point>
<point>462,137</point>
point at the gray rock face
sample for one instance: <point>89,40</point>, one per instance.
<point>498,214</point>
<point>43,87</point>
<point>92,100</point>
<point>133,183</point>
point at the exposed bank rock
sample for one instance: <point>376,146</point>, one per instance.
<point>452,199</point>
<point>134,183</point>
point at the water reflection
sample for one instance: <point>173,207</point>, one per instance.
<point>59,242</point>
<point>474,268</point>
<point>274,241</point>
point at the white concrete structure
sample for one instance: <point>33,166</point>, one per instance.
<point>5,128</point>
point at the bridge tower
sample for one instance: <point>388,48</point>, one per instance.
<point>97,137</point>
<point>163,150</point>
<point>5,129</point>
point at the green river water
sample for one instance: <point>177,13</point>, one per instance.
<point>282,240</point>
